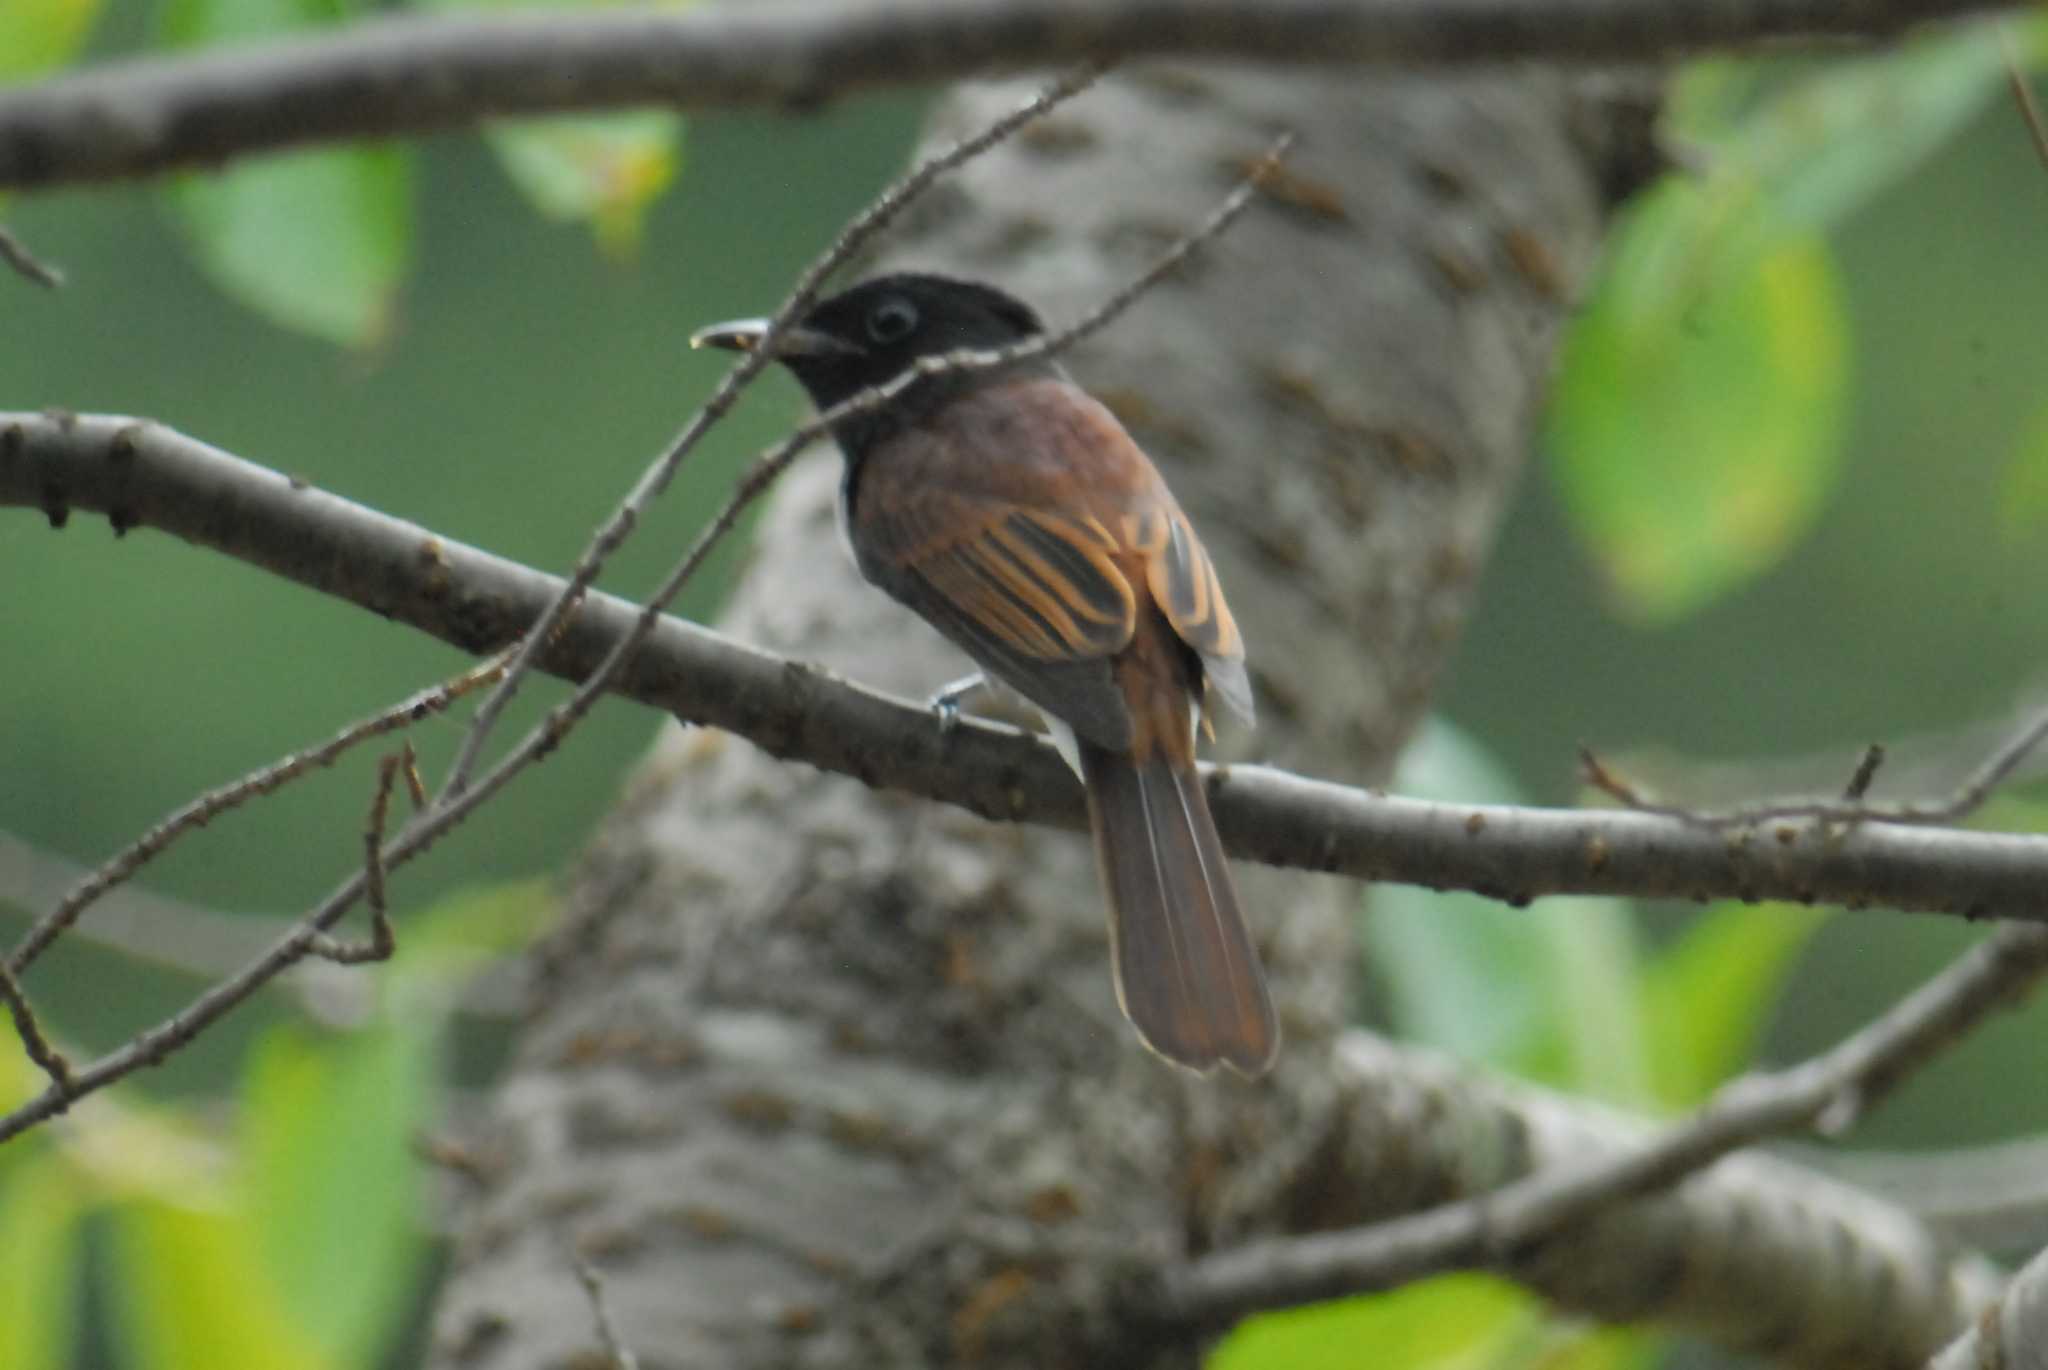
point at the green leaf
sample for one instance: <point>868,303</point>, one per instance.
<point>41,35</point>
<point>1698,414</point>
<point>1708,997</point>
<point>315,241</point>
<point>19,1079</point>
<point>40,1208</point>
<point>1696,424</point>
<point>331,1185</point>
<point>1548,991</point>
<point>193,1292</point>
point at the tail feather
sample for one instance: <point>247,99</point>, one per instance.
<point>1187,974</point>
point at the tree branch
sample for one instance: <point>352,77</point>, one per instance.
<point>416,75</point>
<point>1825,1092</point>
<point>137,472</point>
<point>2012,1334</point>
<point>1751,1253</point>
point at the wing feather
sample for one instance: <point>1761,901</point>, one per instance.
<point>1041,592</point>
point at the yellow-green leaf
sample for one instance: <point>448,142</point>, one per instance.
<point>331,1185</point>
<point>40,1207</point>
<point>191,1291</point>
<point>1456,1321</point>
<point>42,35</point>
<point>605,169</point>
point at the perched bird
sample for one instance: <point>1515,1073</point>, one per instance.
<point>1012,511</point>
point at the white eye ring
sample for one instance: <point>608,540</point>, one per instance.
<point>892,320</point>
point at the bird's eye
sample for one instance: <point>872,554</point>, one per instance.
<point>892,320</point>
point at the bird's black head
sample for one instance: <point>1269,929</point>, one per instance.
<point>868,334</point>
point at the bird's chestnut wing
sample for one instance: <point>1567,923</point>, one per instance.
<point>1036,598</point>
<point>1183,583</point>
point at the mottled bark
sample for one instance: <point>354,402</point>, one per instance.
<point>826,1076</point>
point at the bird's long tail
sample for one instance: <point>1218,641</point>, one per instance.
<point>1187,974</point>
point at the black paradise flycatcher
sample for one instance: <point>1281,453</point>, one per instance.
<point>1013,513</point>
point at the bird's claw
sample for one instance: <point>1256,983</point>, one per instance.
<point>945,702</point>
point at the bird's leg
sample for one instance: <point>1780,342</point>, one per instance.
<point>945,701</point>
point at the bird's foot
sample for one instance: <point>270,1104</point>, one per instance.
<point>945,702</point>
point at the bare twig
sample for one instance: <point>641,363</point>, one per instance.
<point>615,1348</point>
<point>1865,772</point>
<point>381,942</point>
<point>420,74</point>
<point>203,810</point>
<point>2020,82</point>
<point>883,211</point>
<point>199,812</point>
<point>47,1058</point>
<point>1826,1092</point>
<point>15,253</point>
<point>1967,798</point>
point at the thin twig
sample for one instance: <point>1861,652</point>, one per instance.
<point>50,1060</point>
<point>1824,1093</point>
<point>1970,796</point>
<point>1865,772</point>
<point>15,253</point>
<point>613,534</point>
<point>203,810</point>
<point>381,942</point>
<point>622,1357</point>
<point>2017,78</point>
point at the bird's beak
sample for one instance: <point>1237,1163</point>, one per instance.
<point>744,335</point>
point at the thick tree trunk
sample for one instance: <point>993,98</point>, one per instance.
<point>833,1077</point>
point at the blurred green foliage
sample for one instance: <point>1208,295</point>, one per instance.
<point>316,241</point>
<point>41,35</point>
<point>291,1238</point>
<point>606,170</point>
<point>1796,434</point>
<point>1695,428</point>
